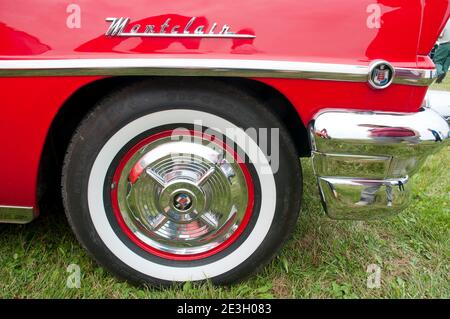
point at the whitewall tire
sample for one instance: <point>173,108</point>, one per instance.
<point>152,217</point>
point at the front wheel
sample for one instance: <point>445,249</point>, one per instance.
<point>168,183</point>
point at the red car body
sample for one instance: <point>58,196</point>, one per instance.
<point>320,32</point>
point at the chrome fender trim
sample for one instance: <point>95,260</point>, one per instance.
<point>208,67</point>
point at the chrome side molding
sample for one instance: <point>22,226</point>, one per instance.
<point>208,67</point>
<point>16,214</point>
<point>364,160</point>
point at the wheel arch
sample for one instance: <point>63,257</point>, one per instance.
<point>82,101</point>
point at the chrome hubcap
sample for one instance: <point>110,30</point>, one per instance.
<point>182,198</point>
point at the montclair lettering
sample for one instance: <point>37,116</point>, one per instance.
<point>122,27</point>
<point>202,310</point>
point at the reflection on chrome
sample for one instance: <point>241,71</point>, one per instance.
<point>17,214</point>
<point>364,160</point>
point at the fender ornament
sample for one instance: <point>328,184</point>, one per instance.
<point>381,74</point>
<point>121,27</point>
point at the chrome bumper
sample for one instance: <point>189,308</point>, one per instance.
<point>363,161</point>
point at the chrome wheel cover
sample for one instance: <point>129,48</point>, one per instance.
<point>182,196</point>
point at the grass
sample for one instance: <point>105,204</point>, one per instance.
<point>324,259</point>
<point>444,86</point>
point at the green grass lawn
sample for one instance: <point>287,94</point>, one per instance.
<point>444,86</point>
<point>324,259</point>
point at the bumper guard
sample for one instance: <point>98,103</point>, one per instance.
<point>364,160</point>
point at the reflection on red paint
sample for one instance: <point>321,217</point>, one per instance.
<point>18,42</point>
<point>378,131</point>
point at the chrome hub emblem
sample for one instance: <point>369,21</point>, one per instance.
<point>381,74</point>
<point>182,202</point>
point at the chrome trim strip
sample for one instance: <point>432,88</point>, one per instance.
<point>206,67</point>
<point>421,77</point>
<point>16,214</point>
